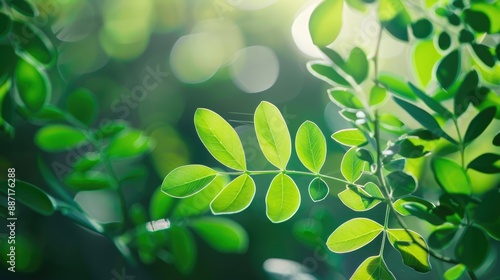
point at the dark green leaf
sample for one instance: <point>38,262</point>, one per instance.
<point>9,60</point>
<point>5,25</point>
<point>477,20</point>
<point>222,234</point>
<point>50,113</point>
<point>458,4</point>
<point>357,65</point>
<point>407,149</point>
<point>429,101</point>
<point>32,41</point>
<point>424,134</point>
<point>496,140</point>
<point>497,51</point>
<point>401,183</point>
<point>325,22</point>
<point>32,86</point>
<point>465,36</point>
<point>448,69</point>
<point>183,249</point>
<point>345,99</point>
<point>318,189</point>
<point>23,7</point>
<point>326,73</point>
<point>55,138</point>
<point>444,41</point>
<point>442,236</point>
<point>397,86</point>
<point>453,19</point>
<point>479,124</point>
<point>395,165</point>
<point>466,92</point>
<point>399,204</point>
<point>486,163</point>
<point>110,129</point>
<point>82,104</point>
<point>421,211</point>
<point>89,180</point>
<point>29,195</point>
<point>451,176</point>
<point>365,155</point>
<point>424,118</point>
<point>398,26</point>
<point>472,248</point>
<point>129,143</point>
<point>422,28</point>
<point>487,214</point>
<point>483,52</point>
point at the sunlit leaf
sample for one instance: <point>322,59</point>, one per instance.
<point>272,134</point>
<point>472,249</point>
<point>282,199</point>
<point>425,56</point>
<point>345,99</point>
<point>479,124</point>
<point>235,197</point>
<point>318,189</point>
<point>373,268</point>
<point>183,248</point>
<point>57,137</point>
<point>442,236</point>
<point>89,180</point>
<point>187,180</point>
<point>350,137</point>
<point>326,73</point>
<point>160,205</point>
<point>357,65</point>
<point>399,204</point>
<point>377,95</point>
<point>413,255</point>
<point>129,143</point>
<point>401,183</point>
<point>310,144</point>
<point>351,166</point>
<point>359,199</point>
<point>222,234</point>
<point>82,105</point>
<point>397,86</point>
<point>199,203</point>
<point>29,195</point>
<point>451,176</point>
<point>87,162</point>
<point>353,235</point>
<point>220,139</point>
<point>325,22</point>
<point>455,272</point>
<point>32,86</point>
<point>448,69</point>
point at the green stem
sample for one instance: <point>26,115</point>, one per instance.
<point>386,226</point>
<point>461,145</point>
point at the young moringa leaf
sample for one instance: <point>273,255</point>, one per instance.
<point>220,139</point>
<point>187,180</point>
<point>310,145</point>
<point>413,255</point>
<point>350,137</point>
<point>373,268</point>
<point>359,199</point>
<point>282,199</point>
<point>235,197</point>
<point>351,166</point>
<point>318,189</point>
<point>353,235</point>
<point>222,234</point>
<point>325,22</point>
<point>451,176</point>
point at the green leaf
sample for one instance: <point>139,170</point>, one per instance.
<point>433,104</point>
<point>345,99</point>
<point>32,86</point>
<point>451,176</point>
<point>358,5</point>
<point>424,118</point>
<point>235,197</point>
<point>90,180</point>
<point>484,54</point>
<point>444,41</point>
<point>160,205</point>
<point>357,65</point>
<point>128,143</point>
<point>272,134</point>
<point>199,203</point>
<point>325,22</point>
<point>442,236</point>
<point>399,204</point>
<point>318,189</point>
<point>395,165</point>
<point>353,235</point>
<point>351,166</point>
<point>487,213</point>
<point>465,92</point>
<point>466,36</point>
<point>477,20</point>
<point>358,199</point>
<point>23,7</point>
<point>448,69</point>
<point>486,163</point>
<point>479,124</point>
<point>350,137</point>
<point>425,56</point>
<point>395,18</point>
<point>496,140</point>
<point>29,195</point>
<point>187,180</point>
<point>310,144</point>
<point>377,95</point>
<point>365,155</point>
<point>422,212</point>
<point>32,42</point>
<point>406,148</point>
<point>455,272</point>
<point>413,255</point>
<point>326,73</point>
<point>5,25</point>
<point>282,199</point>
<point>183,248</point>
<point>82,105</point>
<point>422,28</point>
<point>390,122</point>
<point>397,86</point>
<point>222,234</point>
<point>373,268</point>
<point>87,162</point>
<point>401,183</point>
<point>57,137</point>
<point>472,249</point>
<point>220,139</point>
<point>50,113</point>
